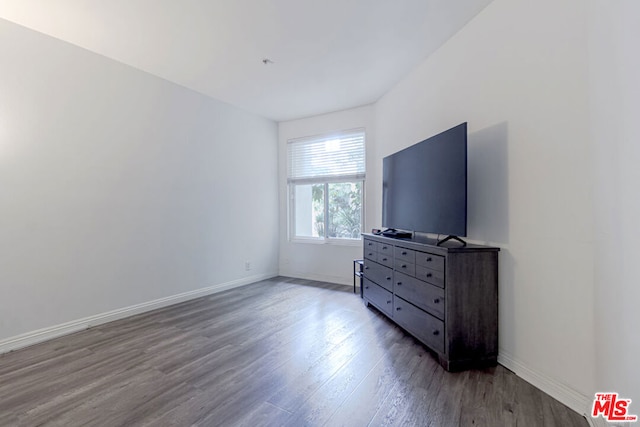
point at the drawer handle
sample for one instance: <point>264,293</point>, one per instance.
<point>399,283</point>
<point>384,259</point>
<point>403,252</point>
<point>429,274</point>
<point>388,277</point>
<point>397,308</point>
<point>366,268</point>
<point>403,266</point>
<point>436,301</point>
<point>366,287</point>
<point>370,244</point>
<point>436,332</point>
<point>384,247</point>
<point>429,259</point>
<point>388,302</point>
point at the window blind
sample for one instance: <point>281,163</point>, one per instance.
<point>335,157</point>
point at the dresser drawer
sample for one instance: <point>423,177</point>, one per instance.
<point>404,266</point>
<point>370,253</point>
<point>380,297</point>
<point>405,254</point>
<point>434,262</point>
<point>434,277</point>
<point>423,295</point>
<point>422,325</point>
<point>379,274</point>
<point>385,259</point>
<point>386,248</point>
<point>370,245</point>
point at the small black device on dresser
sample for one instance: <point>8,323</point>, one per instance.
<point>445,296</point>
<point>392,232</point>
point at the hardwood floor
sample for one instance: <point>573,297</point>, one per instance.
<point>279,352</point>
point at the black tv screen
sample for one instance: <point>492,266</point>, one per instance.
<point>424,186</point>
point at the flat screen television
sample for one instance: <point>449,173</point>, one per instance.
<point>424,186</point>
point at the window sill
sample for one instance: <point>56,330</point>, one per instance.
<point>335,242</point>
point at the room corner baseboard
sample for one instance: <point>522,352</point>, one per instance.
<point>45,334</point>
<point>561,392</point>
<point>598,422</point>
<point>601,422</point>
<point>319,277</point>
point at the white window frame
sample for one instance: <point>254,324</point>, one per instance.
<point>351,176</point>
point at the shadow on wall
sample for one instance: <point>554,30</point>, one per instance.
<point>488,185</point>
<point>488,215</point>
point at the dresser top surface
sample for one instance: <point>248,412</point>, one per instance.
<point>425,243</point>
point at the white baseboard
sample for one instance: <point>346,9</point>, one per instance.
<point>45,334</point>
<point>561,392</point>
<point>598,422</point>
<point>319,277</point>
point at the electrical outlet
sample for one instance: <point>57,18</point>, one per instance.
<point>247,265</point>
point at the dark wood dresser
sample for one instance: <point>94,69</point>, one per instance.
<point>445,296</point>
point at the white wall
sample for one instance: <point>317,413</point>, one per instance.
<point>118,188</point>
<point>615,104</point>
<point>517,74</point>
<point>329,262</point>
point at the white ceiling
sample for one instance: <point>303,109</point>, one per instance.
<point>327,55</point>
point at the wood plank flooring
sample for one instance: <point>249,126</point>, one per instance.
<point>281,352</point>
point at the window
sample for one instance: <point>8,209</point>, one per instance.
<point>325,175</point>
